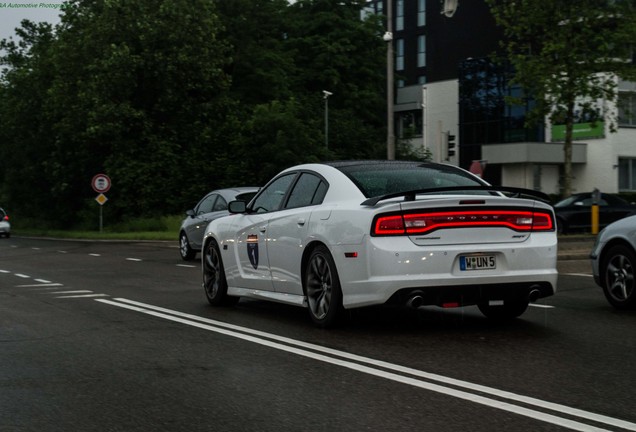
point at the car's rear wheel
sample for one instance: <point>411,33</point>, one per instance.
<point>618,277</point>
<point>214,282</point>
<point>510,309</point>
<point>186,252</point>
<point>322,288</point>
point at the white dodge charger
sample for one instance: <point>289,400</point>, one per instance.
<point>349,234</point>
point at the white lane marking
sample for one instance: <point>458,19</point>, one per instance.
<point>44,281</point>
<point>187,265</point>
<point>133,259</point>
<point>5,271</point>
<point>35,248</point>
<point>83,296</point>
<point>62,251</point>
<point>94,254</point>
<point>72,292</point>
<point>246,334</point>
<point>541,306</point>
<point>22,276</point>
<point>40,285</point>
<point>46,288</point>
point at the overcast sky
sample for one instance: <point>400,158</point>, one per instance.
<point>14,11</point>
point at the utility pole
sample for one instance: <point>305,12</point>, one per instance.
<point>326,95</point>
<point>388,38</point>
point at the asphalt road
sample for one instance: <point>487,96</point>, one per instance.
<point>101,336</point>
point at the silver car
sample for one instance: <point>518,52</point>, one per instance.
<point>211,206</point>
<point>613,262</point>
<point>5,226</point>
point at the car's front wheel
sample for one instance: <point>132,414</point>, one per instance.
<point>618,277</point>
<point>322,288</point>
<point>509,309</point>
<point>214,282</point>
<point>186,252</point>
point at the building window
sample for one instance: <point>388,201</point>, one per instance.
<point>421,51</point>
<point>627,109</point>
<point>421,79</point>
<point>421,13</point>
<point>626,174</point>
<point>399,15</point>
<point>410,124</point>
<point>399,54</point>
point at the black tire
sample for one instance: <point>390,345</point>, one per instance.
<point>322,288</point>
<point>561,226</point>
<point>617,273</point>
<point>186,252</point>
<point>510,309</point>
<point>214,282</point>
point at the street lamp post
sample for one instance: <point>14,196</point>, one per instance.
<point>326,95</point>
<point>388,38</point>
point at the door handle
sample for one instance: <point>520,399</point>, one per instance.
<point>301,222</point>
<point>262,229</point>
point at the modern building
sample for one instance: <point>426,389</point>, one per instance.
<point>449,92</point>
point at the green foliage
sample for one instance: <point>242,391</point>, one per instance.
<point>172,99</point>
<point>566,56</point>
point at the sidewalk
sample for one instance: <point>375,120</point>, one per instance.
<point>574,254</point>
<point>575,247</point>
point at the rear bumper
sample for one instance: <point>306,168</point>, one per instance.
<point>467,295</point>
<point>388,269</point>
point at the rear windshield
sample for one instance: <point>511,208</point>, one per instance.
<point>384,179</point>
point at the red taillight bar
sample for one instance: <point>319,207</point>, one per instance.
<point>422,223</point>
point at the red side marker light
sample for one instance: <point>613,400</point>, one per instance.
<point>351,254</point>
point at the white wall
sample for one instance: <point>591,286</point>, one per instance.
<point>441,115</point>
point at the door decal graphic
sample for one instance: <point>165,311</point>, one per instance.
<point>252,250</point>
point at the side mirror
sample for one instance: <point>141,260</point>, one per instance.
<point>190,213</point>
<point>235,207</point>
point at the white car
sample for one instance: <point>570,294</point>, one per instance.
<point>613,260</point>
<point>344,235</point>
<point>5,226</point>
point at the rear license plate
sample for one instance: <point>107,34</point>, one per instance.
<point>477,262</point>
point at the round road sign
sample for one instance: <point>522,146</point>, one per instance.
<point>101,183</point>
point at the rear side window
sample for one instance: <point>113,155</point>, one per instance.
<point>207,204</point>
<point>309,190</point>
<point>220,204</point>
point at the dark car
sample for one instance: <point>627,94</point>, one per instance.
<point>211,206</point>
<point>575,212</point>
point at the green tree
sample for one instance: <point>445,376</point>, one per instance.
<point>24,124</point>
<point>174,98</point>
<point>133,89</point>
<point>566,55</point>
<point>337,51</point>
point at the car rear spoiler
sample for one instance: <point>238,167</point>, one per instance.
<point>508,191</point>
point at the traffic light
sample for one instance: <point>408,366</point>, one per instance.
<point>450,145</point>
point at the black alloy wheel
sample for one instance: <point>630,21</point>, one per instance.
<point>214,282</point>
<point>322,288</point>
<point>618,277</point>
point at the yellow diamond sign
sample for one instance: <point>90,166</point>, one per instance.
<point>101,199</point>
